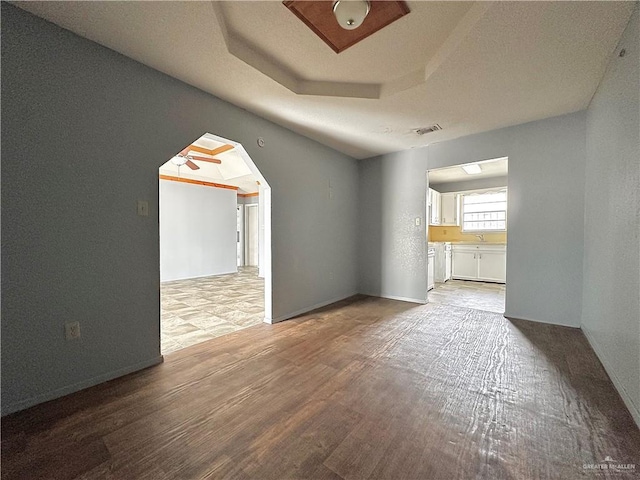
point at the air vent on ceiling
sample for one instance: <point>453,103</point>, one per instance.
<point>424,130</point>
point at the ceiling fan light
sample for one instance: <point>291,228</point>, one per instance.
<point>351,13</point>
<point>179,160</point>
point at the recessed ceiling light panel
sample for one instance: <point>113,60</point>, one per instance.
<point>472,169</point>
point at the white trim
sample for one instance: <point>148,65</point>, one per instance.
<point>75,387</point>
<point>200,276</point>
<point>633,409</point>
<point>308,309</point>
<point>240,234</point>
<point>520,317</point>
<point>421,301</point>
<point>246,245</point>
<point>475,190</point>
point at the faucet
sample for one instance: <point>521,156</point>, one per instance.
<point>481,237</point>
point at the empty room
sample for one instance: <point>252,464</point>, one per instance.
<point>365,355</point>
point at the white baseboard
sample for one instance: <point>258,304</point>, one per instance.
<point>204,275</point>
<point>75,387</point>
<point>421,301</point>
<point>287,316</point>
<point>633,409</point>
<point>520,317</point>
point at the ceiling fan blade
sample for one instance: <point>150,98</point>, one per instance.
<point>192,165</point>
<point>205,159</point>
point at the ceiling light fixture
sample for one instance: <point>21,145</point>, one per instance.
<point>351,13</point>
<point>179,160</point>
<point>472,169</point>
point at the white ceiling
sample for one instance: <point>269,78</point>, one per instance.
<point>232,171</point>
<point>490,168</point>
<point>468,66</point>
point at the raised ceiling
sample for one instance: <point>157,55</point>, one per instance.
<point>467,66</point>
<point>232,171</point>
<point>319,17</point>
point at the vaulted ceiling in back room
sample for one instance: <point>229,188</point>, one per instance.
<point>214,160</point>
<point>466,66</point>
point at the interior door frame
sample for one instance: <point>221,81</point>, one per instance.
<point>246,230</point>
<point>240,235</point>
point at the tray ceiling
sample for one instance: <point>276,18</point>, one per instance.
<point>467,66</point>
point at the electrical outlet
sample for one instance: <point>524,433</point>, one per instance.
<point>72,330</point>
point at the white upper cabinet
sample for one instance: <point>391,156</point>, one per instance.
<point>434,207</point>
<point>449,209</point>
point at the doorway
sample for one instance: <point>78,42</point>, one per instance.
<point>213,203</point>
<point>467,224</point>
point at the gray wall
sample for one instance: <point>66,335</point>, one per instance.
<point>476,184</point>
<point>197,230</point>
<point>392,253</point>
<point>611,297</point>
<point>84,131</point>
<point>546,200</point>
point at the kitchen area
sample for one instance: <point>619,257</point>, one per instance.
<point>467,235</point>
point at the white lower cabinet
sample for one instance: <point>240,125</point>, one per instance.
<point>492,266</point>
<point>465,265</point>
<point>443,261</point>
<point>447,264</point>
<point>486,263</point>
<point>431,269</point>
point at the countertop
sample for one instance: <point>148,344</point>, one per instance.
<point>478,243</point>
<point>433,244</point>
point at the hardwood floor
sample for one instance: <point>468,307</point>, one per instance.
<point>366,388</point>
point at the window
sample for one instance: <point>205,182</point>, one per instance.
<point>484,212</point>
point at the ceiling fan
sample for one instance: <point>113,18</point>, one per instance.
<point>186,158</point>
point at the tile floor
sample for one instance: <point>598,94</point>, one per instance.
<point>199,309</point>
<point>464,293</point>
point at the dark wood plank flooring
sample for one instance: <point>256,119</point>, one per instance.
<point>366,388</point>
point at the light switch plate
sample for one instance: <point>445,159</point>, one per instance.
<point>143,208</point>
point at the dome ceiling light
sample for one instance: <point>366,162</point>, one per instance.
<point>343,23</point>
<point>351,13</point>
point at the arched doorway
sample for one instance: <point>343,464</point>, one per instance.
<point>214,204</point>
